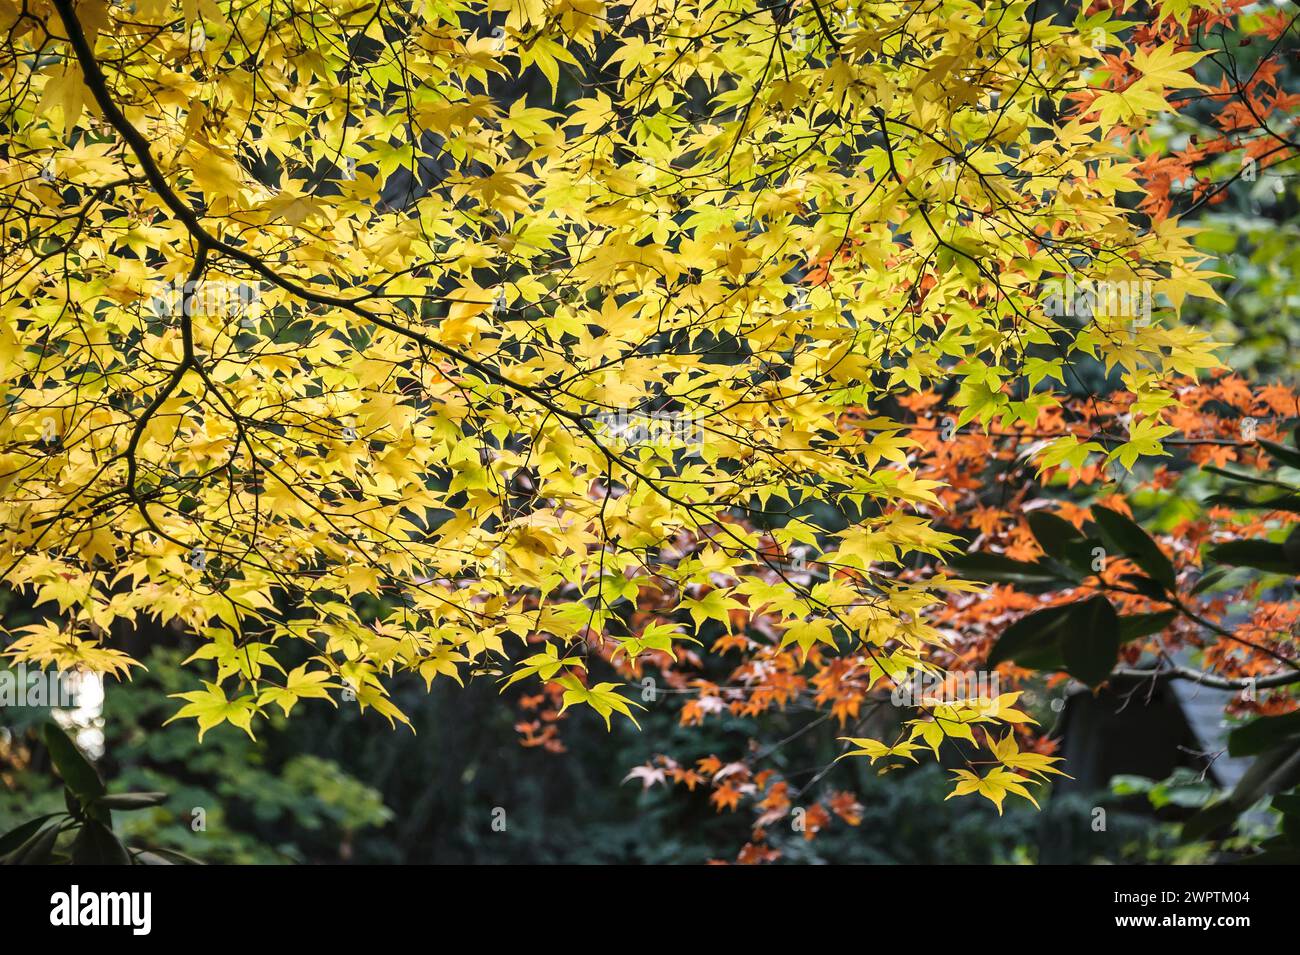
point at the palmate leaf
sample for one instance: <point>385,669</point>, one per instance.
<point>299,684</point>
<point>544,666</point>
<point>1009,754</point>
<point>210,707</point>
<point>995,786</point>
<point>604,698</point>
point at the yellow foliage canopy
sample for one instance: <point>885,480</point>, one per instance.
<point>516,313</point>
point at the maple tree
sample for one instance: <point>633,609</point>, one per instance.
<point>308,306</point>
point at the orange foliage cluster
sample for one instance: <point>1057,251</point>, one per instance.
<point>989,488</point>
<point>1250,112</point>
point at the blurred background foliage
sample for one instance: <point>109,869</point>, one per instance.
<point>338,786</point>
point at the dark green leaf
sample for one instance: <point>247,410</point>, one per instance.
<point>1264,733</point>
<point>1291,548</point>
<point>999,569</point>
<point>1209,580</point>
<point>1033,641</point>
<point>1145,586</point>
<point>1052,532</point>
<point>97,845</point>
<point>16,836</point>
<point>1285,502</point>
<point>129,801</point>
<point>37,850</point>
<point>1260,554</point>
<point>1090,640</point>
<point>77,772</point>
<point>1287,803</point>
<point>1143,624</point>
<point>1082,555</point>
<point>1289,456</point>
<point>1133,542</point>
<point>1289,806</point>
<point>1247,478</point>
<point>1276,770</point>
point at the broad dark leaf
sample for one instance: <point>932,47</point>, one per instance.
<point>1052,532</point>
<point>1244,478</point>
<point>1287,502</point>
<point>1291,547</point>
<point>1081,555</point>
<point>999,569</point>
<point>16,836</point>
<point>1274,771</point>
<point>1033,641</point>
<point>97,845</point>
<point>1145,586</point>
<point>1288,456</point>
<point>1260,554</point>
<point>77,772</point>
<point>1090,640</point>
<point>1127,538</point>
<point>37,850</point>
<point>1144,624</point>
<point>1209,580</point>
<point>129,801</point>
<point>1263,734</point>
<point>1284,502</point>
